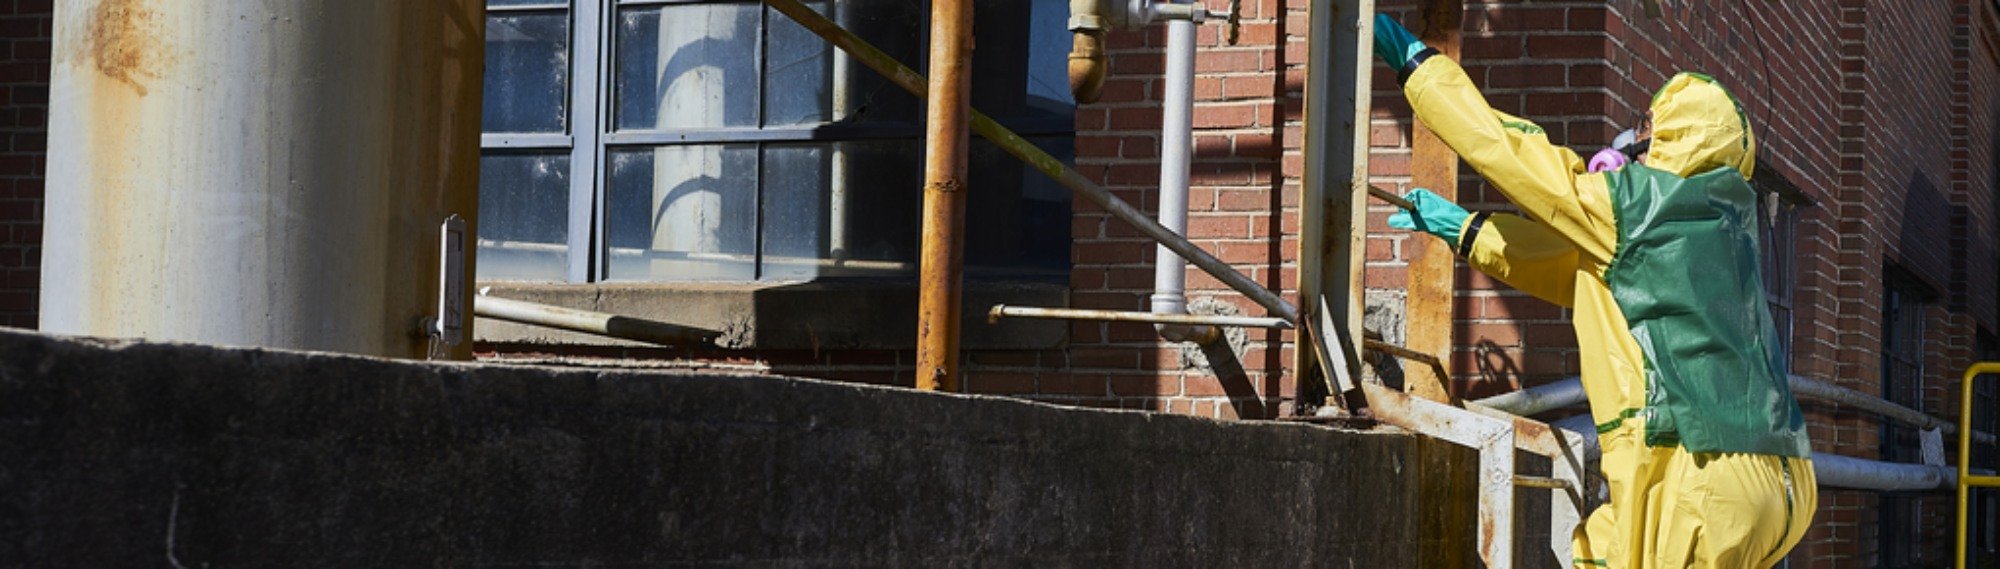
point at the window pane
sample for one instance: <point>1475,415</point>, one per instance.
<point>1021,78</point>
<point>696,61</point>
<point>808,81</point>
<point>523,216</point>
<point>841,209</point>
<point>559,3</point>
<point>681,213</point>
<point>1017,220</point>
<point>527,71</point>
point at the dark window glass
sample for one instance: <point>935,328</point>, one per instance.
<point>683,213</point>
<point>1900,531</point>
<point>686,66</point>
<point>736,145</point>
<point>523,216</point>
<point>527,72</point>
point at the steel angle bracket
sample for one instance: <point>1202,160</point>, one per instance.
<point>1494,438</point>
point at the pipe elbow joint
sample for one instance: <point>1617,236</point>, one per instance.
<point>1087,65</point>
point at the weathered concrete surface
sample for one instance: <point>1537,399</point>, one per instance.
<point>119,455</point>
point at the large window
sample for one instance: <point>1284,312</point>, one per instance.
<point>683,140</point>
<point>1900,530</point>
<point>1778,234</point>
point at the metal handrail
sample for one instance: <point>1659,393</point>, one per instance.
<point>881,62</point>
<point>1967,480</point>
<point>1000,311</point>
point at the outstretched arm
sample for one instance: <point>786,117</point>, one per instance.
<point>1547,181</point>
<point>1518,251</point>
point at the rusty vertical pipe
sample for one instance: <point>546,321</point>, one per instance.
<point>946,137</point>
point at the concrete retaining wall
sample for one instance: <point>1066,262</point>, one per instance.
<point>120,454</point>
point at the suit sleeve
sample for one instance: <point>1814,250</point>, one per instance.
<point>1525,254</point>
<point>1547,181</point>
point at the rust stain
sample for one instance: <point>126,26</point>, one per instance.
<point>123,41</point>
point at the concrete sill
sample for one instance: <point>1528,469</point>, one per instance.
<point>786,316</point>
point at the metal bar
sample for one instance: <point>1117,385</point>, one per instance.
<point>1965,479</point>
<point>1570,392</point>
<point>1332,200</point>
<point>490,141</point>
<point>1566,450</point>
<point>836,131</point>
<point>1436,366</point>
<point>1003,311</point>
<point>1538,399</point>
<point>1494,439</point>
<point>1041,161</point>
<point>599,323</point>
<point>1432,265</point>
<point>1392,198</point>
<point>1542,482</point>
<point>586,122</point>
<point>939,271</point>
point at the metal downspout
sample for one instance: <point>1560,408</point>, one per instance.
<point>1176,154</point>
<point>947,136</point>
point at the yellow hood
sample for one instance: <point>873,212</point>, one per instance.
<point>1698,126</point>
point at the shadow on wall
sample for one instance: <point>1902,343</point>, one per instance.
<point>1924,243</point>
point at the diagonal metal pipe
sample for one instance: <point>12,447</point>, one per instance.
<point>1041,161</point>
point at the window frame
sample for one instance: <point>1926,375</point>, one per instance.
<point>591,137</point>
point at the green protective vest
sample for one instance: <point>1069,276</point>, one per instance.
<point>1686,276</point>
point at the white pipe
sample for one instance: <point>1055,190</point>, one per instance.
<point>1176,152</point>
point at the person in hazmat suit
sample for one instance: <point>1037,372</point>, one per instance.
<point>1704,447</point>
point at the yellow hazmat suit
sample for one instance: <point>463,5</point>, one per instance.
<point>1704,447</point>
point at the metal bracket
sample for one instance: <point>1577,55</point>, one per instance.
<point>448,326</point>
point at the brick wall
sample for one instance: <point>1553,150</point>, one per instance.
<point>24,101</point>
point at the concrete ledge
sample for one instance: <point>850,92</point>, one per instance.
<point>787,316</point>
<point>123,454</point>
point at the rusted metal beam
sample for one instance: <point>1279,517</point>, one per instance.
<point>1333,193</point>
<point>940,270</point>
<point>1432,276</point>
<point>1492,437</point>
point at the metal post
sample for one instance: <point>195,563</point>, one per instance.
<point>946,138</point>
<point>1332,207</point>
<point>1432,264</point>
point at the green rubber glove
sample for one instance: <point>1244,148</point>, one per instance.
<point>1435,215</point>
<point>1394,43</point>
